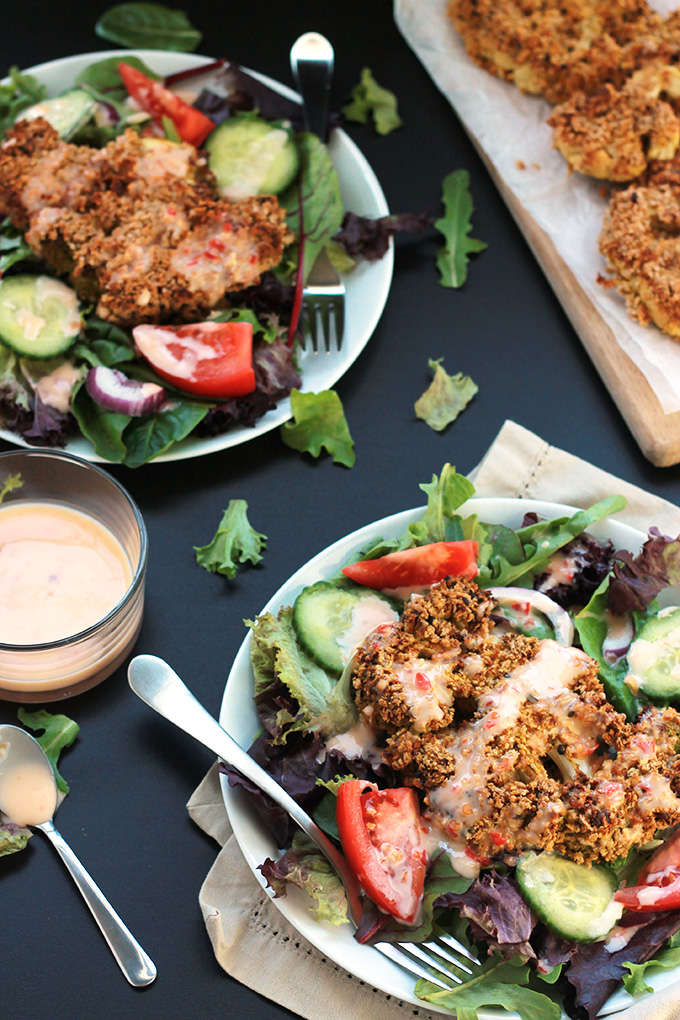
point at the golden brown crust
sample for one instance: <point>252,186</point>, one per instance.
<point>138,225</point>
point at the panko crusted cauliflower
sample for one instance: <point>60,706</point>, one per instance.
<point>137,227</point>
<point>512,739</point>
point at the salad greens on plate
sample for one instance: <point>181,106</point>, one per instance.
<point>551,926</point>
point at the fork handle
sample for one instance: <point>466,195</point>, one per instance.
<point>156,683</point>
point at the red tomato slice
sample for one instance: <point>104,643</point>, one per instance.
<point>210,359</point>
<point>418,567</point>
<point>192,125</point>
<point>658,885</point>
<point>380,832</point>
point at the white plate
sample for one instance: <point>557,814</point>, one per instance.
<point>239,717</point>
<point>367,286</point>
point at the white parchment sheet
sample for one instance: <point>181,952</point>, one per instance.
<point>511,128</point>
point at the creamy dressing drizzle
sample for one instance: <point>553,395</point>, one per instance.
<point>424,684</point>
<point>370,612</point>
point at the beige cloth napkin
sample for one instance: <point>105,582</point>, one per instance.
<point>252,941</point>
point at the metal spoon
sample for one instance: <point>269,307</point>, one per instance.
<point>24,768</point>
<point>311,61</point>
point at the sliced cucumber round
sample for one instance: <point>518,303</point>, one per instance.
<point>67,113</point>
<point>250,156</point>
<point>654,656</point>
<point>39,315</point>
<point>331,621</point>
<point>573,900</point>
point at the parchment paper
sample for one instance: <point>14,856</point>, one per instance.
<point>511,128</point>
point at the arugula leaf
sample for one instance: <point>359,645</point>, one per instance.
<point>306,867</point>
<point>319,423</point>
<point>58,732</point>
<point>455,225</point>
<point>495,983</point>
<point>20,92</point>
<point>313,204</point>
<point>148,26</point>
<point>13,247</point>
<point>10,483</point>
<point>446,396</point>
<point>445,493</point>
<point>276,657</point>
<point>368,98</point>
<point>234,542</point>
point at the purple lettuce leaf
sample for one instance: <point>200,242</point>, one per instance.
<point>498,915</point>
<point>304,866</point>
<point>551,950</point>
<point>639,579</point>
<point>592,562</point>
<point>594,974</point>
<point>369,238</point>
<point>49,426</point>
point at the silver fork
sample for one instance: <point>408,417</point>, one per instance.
<point>323,296</point>
<point>157,684</point>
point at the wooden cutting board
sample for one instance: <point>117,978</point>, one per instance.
<point>657,434</point>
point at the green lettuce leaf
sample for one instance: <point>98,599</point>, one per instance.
<point>103,428</point>
<point>12,839</point>
<point>665,959</point>
<point>234,542</point>
<point>319,423</point>
<point>324,705</point>
<point>13,247</point>
<point>313,204</point>
<point>455,225</point>
<point>591,627</point>
<point>58,732</point>
<point>148,437</point>
<point>104,77</point>
<point>20,92</point>
<point>148,26</point>
<point>444,399</point>
<point>307,868</point>
<point>10,483</point>
<point>368,98</point>
<point>495,983</point>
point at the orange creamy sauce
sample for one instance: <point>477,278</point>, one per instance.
<point>61,571</point>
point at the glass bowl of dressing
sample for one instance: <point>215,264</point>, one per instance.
<point>73,551</point>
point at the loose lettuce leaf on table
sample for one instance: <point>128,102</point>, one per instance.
<point>58,732</point>
<point>455,225</point>
<point>446,396</point>
<point>12,837</point>
<point>10,484</point>
<point>319,423</point>
<point>234,542</point>
<point>370,99</point>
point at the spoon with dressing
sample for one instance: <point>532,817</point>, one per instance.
<point>28,796</point>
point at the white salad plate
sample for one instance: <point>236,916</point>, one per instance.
<point>238,716</point>
<point>367,286</point>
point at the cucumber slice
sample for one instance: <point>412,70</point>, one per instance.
<point>250,156</point>
<point>654,656</point>
<point>39,315</point>
<point>330,622</point>
<point>67,113</point>
<point>573,900</point>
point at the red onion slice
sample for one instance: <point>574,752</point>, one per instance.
<point>111,389</point>
<point>559,618</point>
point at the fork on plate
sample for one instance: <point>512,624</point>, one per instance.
<point>157,684</point>
<point>323,296</point>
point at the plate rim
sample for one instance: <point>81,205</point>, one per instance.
<point>241,815</point>
<point>382,273</point>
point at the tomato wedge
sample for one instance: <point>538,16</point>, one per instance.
<point>658,885</point>
<point>418,567</point>
<point>380,833</point>
<point>192,125</point>
<point>209,359</point>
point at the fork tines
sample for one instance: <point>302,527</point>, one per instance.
<point>323,319</point>
<point>422,960</point>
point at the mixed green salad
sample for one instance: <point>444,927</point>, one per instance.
<point>550,929</point>
<point>109,388</point>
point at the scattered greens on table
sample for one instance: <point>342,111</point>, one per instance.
<point>234,542</point>
<point>368,99</point>
<point>446,396</point>
<point>455,225</point>
<point>53,733</point>
<point>149,26</point>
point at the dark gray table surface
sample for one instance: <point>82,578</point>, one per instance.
<point>131,774</point>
